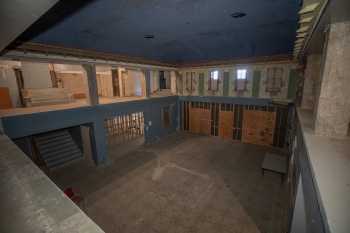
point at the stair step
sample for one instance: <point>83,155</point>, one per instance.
<point>63,157</point>
<point>49,156</point>
<point>51,138</point>
<point>52,144</point>
<point>63,161</point>
<point>54,134</point>
<point>57,148</point>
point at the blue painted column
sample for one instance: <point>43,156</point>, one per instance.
<point>99,142</point>
<point>1,127</point>
<point>98,134</point>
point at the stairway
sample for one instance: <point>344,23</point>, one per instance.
<point>57,148</point>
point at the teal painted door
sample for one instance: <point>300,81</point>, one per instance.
<point>256,83</point>
<point>226,83</point>
<point>201,84</point>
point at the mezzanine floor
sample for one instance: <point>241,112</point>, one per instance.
<point>54,107</point>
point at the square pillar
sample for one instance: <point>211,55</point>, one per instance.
<point>312,77</point>
<point>90,70</point>
<point>99,142</point>
<point>1,127</point>
<point>332,114</point>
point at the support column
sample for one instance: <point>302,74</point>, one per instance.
<point>99,142</point>
<point>148,82</point>
<point>173,82</point>
<point>333,108</point>
<point>1,127</point>
<point>90,70</point>
<point>312,77</point>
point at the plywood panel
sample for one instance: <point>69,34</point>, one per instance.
<point>258,127</point>
<point>194,122</point>
<point>226,124</point>
<point>5,99</point>
<point>205,121</point>
<point>200,119</point>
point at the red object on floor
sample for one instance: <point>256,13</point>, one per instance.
<point>74,197</point>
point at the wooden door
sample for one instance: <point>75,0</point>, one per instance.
<point>205,121</point>
<point>226,124</point>
<point>200,118</point>
<point>194,120</point>
<point>5,99</point>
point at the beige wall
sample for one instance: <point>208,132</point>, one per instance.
<point>154,81</point>
<point>105,84</point>
<point>36,75</point>
<point>8,79</point>
<point>134,83</point>
<point>312,76</point>
<point>286,67</point>
<point>76,83</point>
<point>173,82</point>
<point>332,115</point>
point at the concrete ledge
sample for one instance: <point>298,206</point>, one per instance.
<point>31,202</point>
<point>330,167</point>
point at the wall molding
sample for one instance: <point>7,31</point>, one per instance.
<point>45,52</point>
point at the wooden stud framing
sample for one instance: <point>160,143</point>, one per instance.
<point>125,127</point>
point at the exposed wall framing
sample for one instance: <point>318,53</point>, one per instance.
<point>124,128</point>
<point>263,125</point>
<point>226,120</point>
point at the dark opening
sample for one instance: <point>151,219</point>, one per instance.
<point>162,80</point>
<point>238,15</point>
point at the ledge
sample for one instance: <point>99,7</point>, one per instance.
<point>31,202</point>
<point>330,164</point>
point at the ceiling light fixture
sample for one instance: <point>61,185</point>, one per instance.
<point>149,37</point>
<point>238,15</point>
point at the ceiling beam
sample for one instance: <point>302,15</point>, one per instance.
<point>37,48</point>
<point>17,15</point>
<point>58,54</point>
<point>283,58</point>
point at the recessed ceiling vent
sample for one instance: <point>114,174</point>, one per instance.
<point>149,37</point>
<point>237,15</point>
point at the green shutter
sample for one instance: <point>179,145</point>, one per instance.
<point>226,83</point>
<point>256,83</point>
<point>292,84</point>
<point>201,84</point>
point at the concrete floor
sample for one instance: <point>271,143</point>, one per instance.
<point>184,183</point>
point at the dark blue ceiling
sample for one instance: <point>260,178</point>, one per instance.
<point>184,30</point>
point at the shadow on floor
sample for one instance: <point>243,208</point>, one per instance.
<point>263,197</point>
<point>88,179</point>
